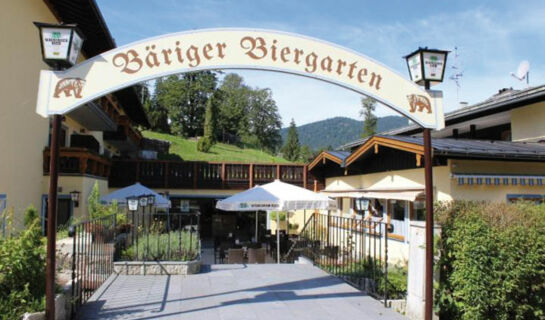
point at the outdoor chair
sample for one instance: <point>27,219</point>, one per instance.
<point>235,256</point>
<point>256,255</point>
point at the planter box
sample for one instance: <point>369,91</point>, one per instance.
<point>157,267</point>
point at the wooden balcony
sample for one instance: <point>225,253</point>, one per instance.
<point>206,175</point>
<point>79,161</point>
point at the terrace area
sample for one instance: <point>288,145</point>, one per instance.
<point>266,291</point>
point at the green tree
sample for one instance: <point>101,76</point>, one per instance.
<point>156,112</point>
<point>185,97</point>
<point>232,120</point>
<point>368,106</point>
<point>306,154</point>
<point>291,149</point>
<point>210,125</point>
<point>98,210</point>
<point>263,121</point>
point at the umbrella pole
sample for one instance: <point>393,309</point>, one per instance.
<point>256,217</point>
<point>278,237</point>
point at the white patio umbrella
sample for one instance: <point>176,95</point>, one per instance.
<point>276,196</point>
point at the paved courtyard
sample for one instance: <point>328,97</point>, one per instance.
<point>266,291</point>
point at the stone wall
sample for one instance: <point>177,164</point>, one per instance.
<point>157,267</point>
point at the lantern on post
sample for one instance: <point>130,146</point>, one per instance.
<point>61,44</point>
<point>427,66</point>
<point>132,203</point>
<point>74,196</point>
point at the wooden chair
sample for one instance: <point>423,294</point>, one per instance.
<point>256,255</point>
<point>235,256</point>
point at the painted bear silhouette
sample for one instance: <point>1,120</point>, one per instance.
<point>68,85</point>
<point>420,102</point>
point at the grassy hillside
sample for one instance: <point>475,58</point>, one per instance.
<point>337,131</point>
<point>187,150</point>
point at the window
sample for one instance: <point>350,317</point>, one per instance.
<point>361,206</point>
<point>419,210</point>
<point>397,209</point>
<point>340,204</point>
<point>536,198</point>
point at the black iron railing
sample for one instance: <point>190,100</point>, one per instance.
<point>93,257</point>
<point>131,236</point>
<point>350,248</point>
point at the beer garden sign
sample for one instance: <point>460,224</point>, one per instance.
<point>210,49</point>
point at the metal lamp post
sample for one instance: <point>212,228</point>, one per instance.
<point>61,45</point>
<point>426,68</point>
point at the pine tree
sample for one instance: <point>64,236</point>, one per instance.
<point>291,149</point>
<point>210,126</point>
<point>368,106</point>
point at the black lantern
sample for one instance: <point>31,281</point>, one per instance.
<point>132,203</point>
<point>427,66</point>
<point>61,44</point>
<point>74,195</point>
<point>151,199</point>
<point>143,200</point>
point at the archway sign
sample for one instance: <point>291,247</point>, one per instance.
<point>210,49</point>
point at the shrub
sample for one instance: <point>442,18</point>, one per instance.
<point>492,261</point>
<point>175,246</point>
<point>98,210</point>
<point>282,216</point>
<point>22,270</point>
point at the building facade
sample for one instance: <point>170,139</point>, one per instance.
<point>491,151</point>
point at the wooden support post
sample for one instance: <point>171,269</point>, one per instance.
<point>166,172</point>
<point>195,171</point>
<point>251,175</point>
<point>315,185</point>
<point>278,171</point>
<point>223,175</point>
<point>428,158</point>
<point>305,176</point>
<point>52,218</point>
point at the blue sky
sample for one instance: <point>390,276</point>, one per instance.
<point>492,37</point>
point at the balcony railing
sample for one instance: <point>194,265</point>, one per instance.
<point>79,161</point>
<point>206,175</point>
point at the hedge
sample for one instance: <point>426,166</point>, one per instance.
<point>492,261</point>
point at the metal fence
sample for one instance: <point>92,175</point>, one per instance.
<point>350,248</point>
<point>134,236</point>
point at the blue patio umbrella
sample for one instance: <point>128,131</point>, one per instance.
<point>135,190</point>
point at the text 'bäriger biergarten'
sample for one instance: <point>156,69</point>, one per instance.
<point>255,48</point>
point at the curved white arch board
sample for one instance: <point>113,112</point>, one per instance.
<point>211,49</point>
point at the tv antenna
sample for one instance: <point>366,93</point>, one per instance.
<point>457,75</point>
<point>523,72</point>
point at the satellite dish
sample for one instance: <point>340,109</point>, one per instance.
<point>523,71</point>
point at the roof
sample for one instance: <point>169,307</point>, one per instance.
<point>504,100</point>
<point>336,156</point>
<point>342,155</point>
<point>98,39</point>
<point>447,147</point>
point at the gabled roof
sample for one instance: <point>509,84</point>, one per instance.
<point>336,156</point>
<point>447,147</point>
<point>504,100</point>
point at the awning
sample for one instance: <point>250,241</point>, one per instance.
<point>408,195</point>
<point>498,179</point>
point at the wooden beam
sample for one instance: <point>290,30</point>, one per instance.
<point>305,176</point>
<point>251,175</point>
